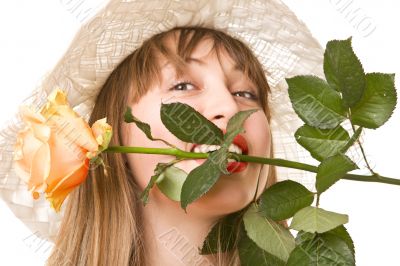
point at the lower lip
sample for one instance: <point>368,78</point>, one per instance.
<point>232,167</point>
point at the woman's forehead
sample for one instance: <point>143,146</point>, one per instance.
<point>203,52</point>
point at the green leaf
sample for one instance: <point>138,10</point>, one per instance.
<point>322,143</point>
<point>157,172</point>
<point>331,170</point>
<point>283,199</point>
<point>203,177</point>
<point>339,231</point>
<point>235,125</point>
<point>130,118</point>
<point>343,71</point>
<point>315,102</point>
<point>378,102</point>
<point>170,182</point>
<point>189,125</point>
<point>250,255</point>
<point>352,140</point>
<point>304,236</point>
<point>225,230</point>
<point>342,233</point>
<point>267,234</point>
<point>312,219</point>
<point>322,250</point>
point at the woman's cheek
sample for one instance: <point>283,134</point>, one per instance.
<point>258,133</point>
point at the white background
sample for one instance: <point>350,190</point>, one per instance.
<point>34,35</point>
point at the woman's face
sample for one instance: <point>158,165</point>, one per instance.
<point>218,90</point>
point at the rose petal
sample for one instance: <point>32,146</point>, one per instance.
<point>54,100</point>
<point>29,115</point>
<point>76,130</point>
<point>66,157</point>
<point>40,168</point>
<point>102,132</point>
<point>57,192</point>
<point>57,200</point>
<point>75,178</point>
<point>41,132</point>
<point>66,111</point>
<point>36,122</point>
<point>58,97</point>
<point>24,151</point>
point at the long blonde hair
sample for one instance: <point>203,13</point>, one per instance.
<point>103,224</point>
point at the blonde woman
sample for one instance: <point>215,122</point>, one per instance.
<point>220,57</point>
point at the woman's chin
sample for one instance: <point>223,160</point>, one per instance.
<point>229,194</point>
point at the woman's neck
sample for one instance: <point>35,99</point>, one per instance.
<point>173,237</point>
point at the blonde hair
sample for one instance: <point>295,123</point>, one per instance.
<point>103,223</point>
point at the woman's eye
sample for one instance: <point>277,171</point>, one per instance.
<point>248,95</point>
<point>182,86</point>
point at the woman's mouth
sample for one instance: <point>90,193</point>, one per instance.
<point>239,146</point>
<point>231,167</point>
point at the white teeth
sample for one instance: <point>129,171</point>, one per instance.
<point>206,148</point>
<point>209,148</point>
<point>238,150</point>
<point>232,148</point>
<point>213,147</point>
<point>235,149</point>
<point>203,148</point>
<point>231,160</point>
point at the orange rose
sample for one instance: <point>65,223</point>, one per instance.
<point>51,153</point>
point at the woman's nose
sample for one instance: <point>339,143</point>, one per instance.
<point>219,106</point>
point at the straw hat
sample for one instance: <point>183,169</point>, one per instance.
<point>281,42</point>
